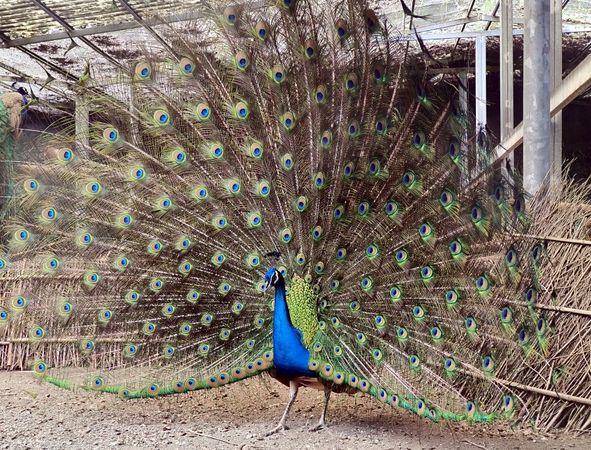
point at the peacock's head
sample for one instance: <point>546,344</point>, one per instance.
<point>272,277</point>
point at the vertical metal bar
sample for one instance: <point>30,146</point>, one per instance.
<point>556,78</point>
<point>463,97</point>
<point>480,83</point>
<point>537,145</point>
<point>506,66</point>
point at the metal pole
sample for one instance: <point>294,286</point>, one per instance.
<point>480,83</point>
<point>463,97</point>
<point>537,143</point>
<point>506,66</point>
<point>556,78</point>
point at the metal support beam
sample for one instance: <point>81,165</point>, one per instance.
<point>494,13</point>
<point>555,80</point>
<point>456,22</point>
<point>463,97</point>
<point>480,83</point>
<point>537,144</point>
<point>506,68</point>
<point>434,36</point>
<point>470,8</point>
<point>576,83</point>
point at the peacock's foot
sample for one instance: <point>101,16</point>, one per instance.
<point>277,429</point>
<point>320,426</point>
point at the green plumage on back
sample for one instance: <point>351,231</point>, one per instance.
<point>302,305</point>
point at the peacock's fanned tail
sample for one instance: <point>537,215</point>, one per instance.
<point>296,128</point>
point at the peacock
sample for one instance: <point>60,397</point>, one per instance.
<point>286,188</point>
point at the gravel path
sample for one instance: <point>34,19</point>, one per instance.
<point>35,415</point>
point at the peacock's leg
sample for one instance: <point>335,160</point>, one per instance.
<point>293,392</point>
<point>321,423</point>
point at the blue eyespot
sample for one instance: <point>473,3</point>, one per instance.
<point>145,72</point>
<point>262,33</point>
<point>278,76</point>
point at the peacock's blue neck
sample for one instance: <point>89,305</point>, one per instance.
<point>290,355</point>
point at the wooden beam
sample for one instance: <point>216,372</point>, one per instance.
<point>577,82</point>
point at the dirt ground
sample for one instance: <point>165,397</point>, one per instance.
<point>34,415</point>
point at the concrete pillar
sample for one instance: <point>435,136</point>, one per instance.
<point>506,66</point>
<point>556,79</point>
<point>537,144</point>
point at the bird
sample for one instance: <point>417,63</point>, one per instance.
<point>280,190</point>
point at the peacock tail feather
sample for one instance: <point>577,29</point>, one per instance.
<point>298,129</point>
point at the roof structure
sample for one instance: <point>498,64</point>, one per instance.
<point>54,39</point>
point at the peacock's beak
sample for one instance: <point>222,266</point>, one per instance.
<point>266,285</point>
